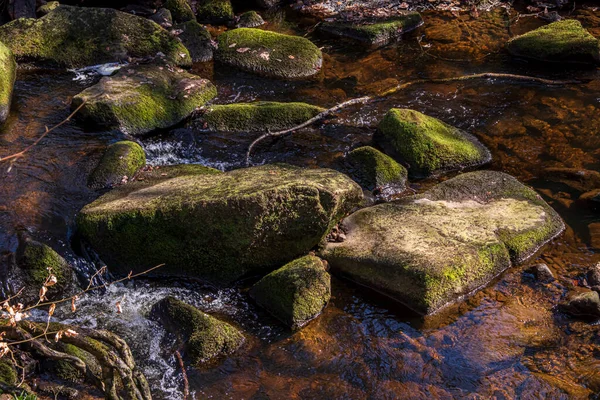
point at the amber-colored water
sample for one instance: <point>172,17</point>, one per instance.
<point>507,341</point>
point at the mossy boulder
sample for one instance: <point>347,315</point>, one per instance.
<point>270,54</point>
<point>197,40</point>
<point>377,33</point>
<point>428,145</point>
<point>8,73</point>
<point>67,371</point>
<point>144,98</point>
<point>431,250</point>
<point>249,19</point>
<point>203,336</point>
<point>77,37</point>
<point>218,227</point>
<point>163,17</point>
<point>8,373</point>
<point>296,293</point>
<point>563,41</point>
<point>180,10</point>
<point>374,170</point>
<point>214,11</point>
<point>254,117</point>
<point>121,160</point>
<point>36,261</point>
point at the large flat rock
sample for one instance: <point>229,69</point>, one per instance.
<point>433,249</point>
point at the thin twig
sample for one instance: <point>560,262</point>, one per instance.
<point>402,86</point>
<point>186,384</point>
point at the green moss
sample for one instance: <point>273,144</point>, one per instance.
<point>268,53</point>
<point>427,144</point>
<point>204,336</point>
<point>8,373</point>
<point>295,293</point>
<point>214,11</point>
<point>454,238</point>
<point>381,32</point>
<point>144,98</point>
<point>561,41</point>
<point>46,8</point>
<point>36,259</point>
<point>121,159</point>
<point>218,227</point>
<point>8,72</point>
<point>76,37</point>
<point>65,370</point>
<point>180,10</point>
<point>197,39</point>
<point>372,169</point>
<point>250,19</point>
<point>255,117</point>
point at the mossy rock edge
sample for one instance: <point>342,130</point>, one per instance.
<point>436,248</point>
<point>374,170</point>
<point>121,159</point>
<point>8,74</point>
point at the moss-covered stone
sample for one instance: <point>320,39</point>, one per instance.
<point>563,41</point>
<point>295,293</point>
<point>218,227</point>
<point>77,37</point>
<point>197,39</point>
<point>47,8</point>
<point>378,33</point>
<point>141,99</point>
<point>8,73</point>
<point>180,10</point>
<point>163,17</point>
<point>67,371</point>
<point>203,336</point>
<point>374,170</point>
<point>214,11</point>
<point>249,19</point>
<point>121,159</point>
<point>428,145</point>
<point>254,117</point>
<point>8,373</point>
<point>434,249</point>
<point>38,261</point>
<point>268,53</point>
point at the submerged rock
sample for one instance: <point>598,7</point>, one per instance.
<point>144,98</point>
<point>8,74</point>
<point>204,337</point>
<point>180,10</point>
<point>295,293</point>
<point>374,170</point>
<point>563,41</point>
<point>214,11</point>
<point>585,304</point>
<point>218,227</point>
<point>197,40</point>
<point>428,145</point>
<point>431,250</point>
<point>120,162</point>
<point>77,37</point>
<point>268,53</point>
<point>250,19</point>
<point>378,33</point>
<point>254,117</point>
<point>542,273</point>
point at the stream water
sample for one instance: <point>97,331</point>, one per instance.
<point>506,341</point>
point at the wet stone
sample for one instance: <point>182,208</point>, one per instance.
<point>118,164</point>
<point>542,273</point>
<point>593,275</point>
<point>197,40</point>
<point>585,304</point>
<point>250,19</point>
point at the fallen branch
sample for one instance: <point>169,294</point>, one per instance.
<point>402,86</point>
<point>186,384</point>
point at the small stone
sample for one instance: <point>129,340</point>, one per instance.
<point>542,273</point>
<point>593,275</point>
<point>250,19</point>
<point>163,18</point>
<point>584,304</point>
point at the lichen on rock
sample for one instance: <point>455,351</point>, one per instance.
<point>203,336</point>
<point>8,73</point>
<point>120,160</point>
<point>295,293</point>
<point>82,36</point>
<point>426,144</point>
<point>268,53</point>
<point>218,227</point>
<point>563,41</point>
<point>143,98</point>
<point>456,237</point>
<point>254,117</point>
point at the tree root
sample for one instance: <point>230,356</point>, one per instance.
<point>119,372</point>
<point>400,87</point>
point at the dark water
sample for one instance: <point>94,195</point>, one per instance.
<point>506,341</point>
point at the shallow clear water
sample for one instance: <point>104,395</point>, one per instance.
<point>506,341</point>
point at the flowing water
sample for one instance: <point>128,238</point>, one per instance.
<point>506,341</point>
